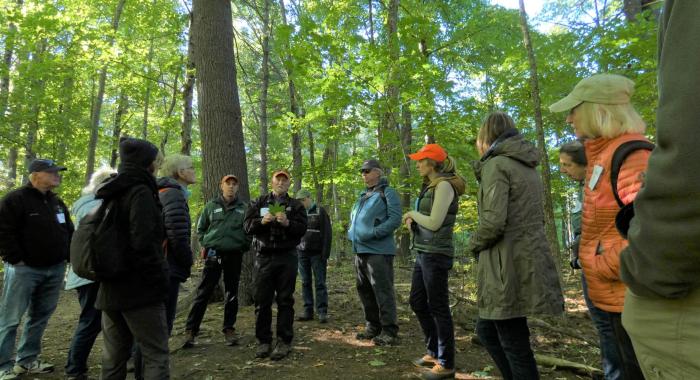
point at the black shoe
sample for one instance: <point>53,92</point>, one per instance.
<point>322,318</point>
<point>366,335</point>
<point>385,339</point>
<point>189,339</point>
<point>281,351</point>
<point>230,337</point>
<point>263,350</point>
<point>305,317</point>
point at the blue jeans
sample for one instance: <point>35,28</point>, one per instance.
<point>612,365</point>
<point>34,290</point>
<point>89,326</point>
<point>430,302</point>
<point>315,264</point>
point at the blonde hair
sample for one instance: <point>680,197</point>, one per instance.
<point>608,120</point>
<point>172,164</point>
<point>97,178</point>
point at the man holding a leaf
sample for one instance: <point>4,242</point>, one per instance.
<point>277,222</point>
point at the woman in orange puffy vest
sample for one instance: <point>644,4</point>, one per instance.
<point>600,112</point>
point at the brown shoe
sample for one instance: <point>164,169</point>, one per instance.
<point>230,337</point>
<point>189,339</point>
<point>425,361</point>
<point>439,372</point>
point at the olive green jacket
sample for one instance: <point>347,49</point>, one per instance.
<point>516,275</point>
<point>663,256</point>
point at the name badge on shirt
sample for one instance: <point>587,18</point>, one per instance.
<point>61,217</point>
<point>595,176</point>
<point>264,211</point>
<point>218,210</point>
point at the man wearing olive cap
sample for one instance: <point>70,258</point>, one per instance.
<point>223,241</point>
<point>35,233</point>
<point>277,222</point>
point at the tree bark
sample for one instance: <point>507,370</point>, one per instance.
<point>550,223</point>
<point>387,135</point>
<point>263,175</point>
<point>312,164</point>
<point>294,108</point>
<point>187,95</point>
<point>220,122</point>
<point>97,106</point>
<point>122,107</point>
<point>5,94</point>
<point>147,98</point>
<point>405,175</point>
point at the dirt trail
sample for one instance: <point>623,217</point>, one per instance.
<point>320,351</point>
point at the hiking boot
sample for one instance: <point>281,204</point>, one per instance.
<point>263,350</point>
<point>189,339</point>
<point>439,372</point>
<point>305,317</point>
<point>425,361</point>
<point>34,367</point>
<point>8,374</point>
<point>384,339</point>
<point>323,318</point>
<point>230,337</point>
<point>366,335</point>
<point>281,351</point>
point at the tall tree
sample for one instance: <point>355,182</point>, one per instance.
<point>263,96</point>
<point>387,134</point>
<point>294,108</point>
<point>220,121</point>
<point>97,106</point>
<point>187,95</point>
<point>5,90</point>
<point>550,222</point>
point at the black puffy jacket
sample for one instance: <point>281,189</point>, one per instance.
<point>176,219</point>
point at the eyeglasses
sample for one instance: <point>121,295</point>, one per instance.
<point>365,171</point>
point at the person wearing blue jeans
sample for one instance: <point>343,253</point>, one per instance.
<point>35,232</point>
<point>314,250</point>
<point>612,369</point>
<point>89,327</point>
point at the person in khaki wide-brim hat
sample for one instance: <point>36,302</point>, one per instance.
<point>600,111</point>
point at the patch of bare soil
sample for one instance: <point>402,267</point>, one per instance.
<point>330,351</point>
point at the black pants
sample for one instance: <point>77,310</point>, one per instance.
<point>375,287</point>
<point>230,264</point>
<point>275,278</point>
<point>630,365</point>
<point>508,343</point>
<point>430,302</point>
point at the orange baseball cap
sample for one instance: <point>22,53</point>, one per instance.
<point>227,177</point>
<point>432,151</point>
<point>283,172</point>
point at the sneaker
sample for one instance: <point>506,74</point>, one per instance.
<point>439,372</point>
<point>263,350</point>
<point>425,361</point>
<point>230,337</point>
<point>8,374</point>
<point>34,367</point>
<point>189,339</point>
<point>366,335</point>
<point>384,339</point>
<point>323,318</point>
<point>281,351</point>
<point>305,317</point>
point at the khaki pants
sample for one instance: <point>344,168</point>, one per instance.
<point>665,334</point>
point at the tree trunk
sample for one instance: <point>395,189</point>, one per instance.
<point>405,175</point>
<point>122,107</point>
<point>187,94</point>
<point>97,106</point>
<point>294,108</point>
<point>5,95</point>
<point>312,164</point>
<point>220,122</point>
<point>147,98</point>
<point>36,97</point>
<point>263,97</point>
<point>387,135</point>
<point>550,223</point>
<point>66,119</point>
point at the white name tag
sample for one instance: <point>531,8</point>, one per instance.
<point>61,217</point>
<point>264,211</point>
<point>595,176</point>
<point>218,210</point>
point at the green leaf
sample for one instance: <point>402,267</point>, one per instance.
<point>377,363</point>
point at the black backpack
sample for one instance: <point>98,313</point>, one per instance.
<point>626,213</point>
<point>97,247</point>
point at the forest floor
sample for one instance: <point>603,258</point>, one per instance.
<point>330,351</point>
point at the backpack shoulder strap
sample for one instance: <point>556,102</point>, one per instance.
<point>618,159</point>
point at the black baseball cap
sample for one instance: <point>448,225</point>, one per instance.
<point>45,165</point>
<point>370,164</point>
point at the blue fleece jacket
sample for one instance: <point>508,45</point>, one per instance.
<point>373,220</point>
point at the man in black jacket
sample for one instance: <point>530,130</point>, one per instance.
<point>134,305</point>
<point>314,250</point>
<point>277,223</point>
<point>35,232</point>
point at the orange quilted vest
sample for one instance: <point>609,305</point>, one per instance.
<point>601,244</point>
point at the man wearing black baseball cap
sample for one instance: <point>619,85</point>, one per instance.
<point>35,232</point>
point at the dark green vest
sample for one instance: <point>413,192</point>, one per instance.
<point>439,241</point>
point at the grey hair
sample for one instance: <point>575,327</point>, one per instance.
<point>173,163</point>
<point>381,172</point>
<point>99,176</point>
